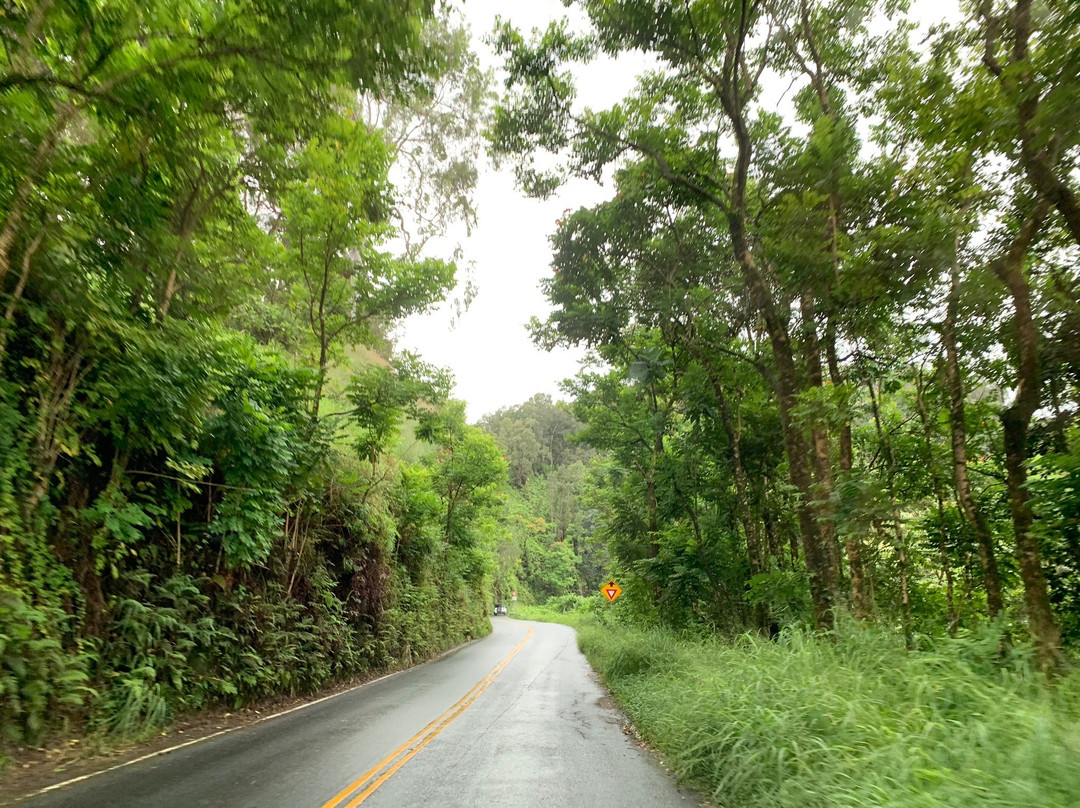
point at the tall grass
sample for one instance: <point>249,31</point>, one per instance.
<point>807,723</point>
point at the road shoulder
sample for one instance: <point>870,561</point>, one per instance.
<point>35,770</point>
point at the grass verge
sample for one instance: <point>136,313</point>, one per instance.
<point>855,722</point>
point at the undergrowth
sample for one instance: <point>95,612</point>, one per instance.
<point>856,721</point>
<point>168,653</point>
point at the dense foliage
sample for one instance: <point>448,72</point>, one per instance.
<point>832,305</point>
<point>200,502</point>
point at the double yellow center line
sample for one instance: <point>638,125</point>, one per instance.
<point>386,768</point>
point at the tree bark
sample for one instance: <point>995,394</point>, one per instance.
<point>939,496</point>
<point>1040,162</point>
<point>984,539</point>
<point>821,457</point>
<point>1015,421</point>
<point>861,602</point>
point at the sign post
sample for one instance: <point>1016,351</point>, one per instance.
<point>611,590</point>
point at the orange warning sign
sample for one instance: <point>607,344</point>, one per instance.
<point>611,590</point>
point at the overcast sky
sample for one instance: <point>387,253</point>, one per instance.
<point>489,350</point>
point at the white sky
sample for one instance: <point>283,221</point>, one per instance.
<point>489,350</point>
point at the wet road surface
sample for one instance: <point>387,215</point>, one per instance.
<point>516,719</point>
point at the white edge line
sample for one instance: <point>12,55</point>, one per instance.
<point>219,733</point>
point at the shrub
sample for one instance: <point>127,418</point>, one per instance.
<point>569,603</point>
<point>160,656</point>
<point>39,679</point>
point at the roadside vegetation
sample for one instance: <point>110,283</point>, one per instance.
<point>204,496</point>
<point>859,720</point>
<point>834,353</point>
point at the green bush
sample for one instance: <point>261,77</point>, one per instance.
<point>295,567</point>
<point>291,647</point>
<point>39,679</point>
<point>569,603</point>
<point>160,656</point>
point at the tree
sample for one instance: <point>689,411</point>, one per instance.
<point>434,127</point>
<point>996,109</point>
<point>334,219</point>
<point>713,70</point>
<point>470,473</point>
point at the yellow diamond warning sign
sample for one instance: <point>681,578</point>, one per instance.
<point>611,590</point>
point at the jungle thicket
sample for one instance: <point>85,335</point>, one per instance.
<point>203,499</point>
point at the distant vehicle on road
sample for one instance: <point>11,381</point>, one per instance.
<point>500,608</point>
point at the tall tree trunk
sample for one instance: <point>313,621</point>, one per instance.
<point>861,602</point>
<point>984,539</point>
<point>816,557</point>
<point>320,382</point>
<point>1015,421</point>
<point>1040,141</point>
<point>1041,621</point>
<point>939,496</point>
<point>319,327</point>
<point>818,563</point>
<point>821,458</point>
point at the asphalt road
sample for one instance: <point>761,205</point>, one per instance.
<point>516,719</point>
